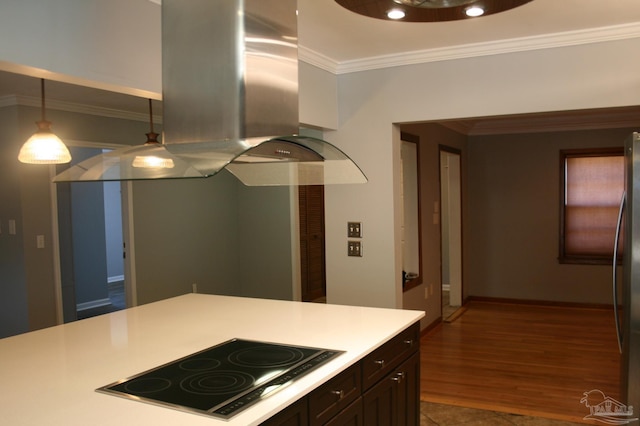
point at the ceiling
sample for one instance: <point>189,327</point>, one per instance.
<point>341,41</point>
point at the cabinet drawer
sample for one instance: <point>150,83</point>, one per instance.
<point>388,356</point>
<point>334,396</point>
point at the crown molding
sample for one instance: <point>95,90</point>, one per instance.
<point>546,41</point>
<point>318,60</point>
<point>52,104</point>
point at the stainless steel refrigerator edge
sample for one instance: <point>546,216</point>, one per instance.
<point>627,297</point>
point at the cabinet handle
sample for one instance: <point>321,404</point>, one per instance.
<point>379,362</point>
<point>409,342</point>
<point>398,377</point>
<point>338,393</point>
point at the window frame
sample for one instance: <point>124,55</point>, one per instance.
<point>582,259</point>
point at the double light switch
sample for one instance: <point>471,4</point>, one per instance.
<point>354,230</point>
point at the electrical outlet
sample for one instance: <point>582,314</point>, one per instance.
<point>354,248</point>
<point>354,229</point>
<point>194,288</point>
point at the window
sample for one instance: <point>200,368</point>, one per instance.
<point>592,186</point>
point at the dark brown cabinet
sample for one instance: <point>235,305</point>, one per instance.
<point>395,400</point>
<point>295,415</point>
<point>383,389</point>
<point>350,416</point>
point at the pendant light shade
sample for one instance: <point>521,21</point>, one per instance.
<point>158,161</point>
<point>44,147</point>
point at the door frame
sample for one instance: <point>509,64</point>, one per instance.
<point>452,151</point>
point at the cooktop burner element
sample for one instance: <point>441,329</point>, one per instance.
<point>222,380</point>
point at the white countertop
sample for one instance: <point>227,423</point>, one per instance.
<point>49,377</point>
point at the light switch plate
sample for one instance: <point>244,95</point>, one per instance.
<point>354,229</point>
<point>354,248</point>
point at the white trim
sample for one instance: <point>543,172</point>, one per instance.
<point>296,273</point>
<point>128,235</point>
<point>545,41</point>
<point>93,304</point>
<point>115,279</point>
<point>55,248</point>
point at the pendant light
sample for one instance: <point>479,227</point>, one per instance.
<point>44,147</point>
<point>152,161</point>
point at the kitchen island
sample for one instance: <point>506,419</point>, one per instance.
<point>49,376</point>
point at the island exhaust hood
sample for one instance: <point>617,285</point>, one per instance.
<point>230,100</point>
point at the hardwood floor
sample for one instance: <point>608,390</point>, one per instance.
<point>522,359</point>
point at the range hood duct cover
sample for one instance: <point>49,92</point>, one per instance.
<point>230,100</point>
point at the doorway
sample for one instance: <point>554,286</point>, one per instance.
<point>90,232</point>
<point>451,230</point>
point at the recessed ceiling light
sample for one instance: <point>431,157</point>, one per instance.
<point>474,11</point>
<point>429,10</point>
<point>395,14</point>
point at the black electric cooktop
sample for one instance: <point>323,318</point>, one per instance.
<point>224,379</point>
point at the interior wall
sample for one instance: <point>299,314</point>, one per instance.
<point>226,238</point>
<point>89,239</point>
<point>14,312</point>
<point>372,101</point>
<point>514,196</point>
<point>185,234</point>
<point>35,220</point>
<point>29,284</point>
<point>265,249</point>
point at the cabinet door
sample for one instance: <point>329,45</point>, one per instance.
<point>407,378</point>
<point>395,400</point>
<point>350,416</point>
<point>380,404</point>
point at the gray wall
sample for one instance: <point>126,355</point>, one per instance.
<point>88,234</point>
<point>13,291</point>
<point>27,277</point>
<point>227,238</point>
<point>217,233</point>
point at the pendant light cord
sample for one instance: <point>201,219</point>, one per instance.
<point>42,99</point>
<point>152,137</point>
<point>151,116</point>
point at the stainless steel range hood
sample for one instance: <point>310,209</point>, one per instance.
<point>230,100</point>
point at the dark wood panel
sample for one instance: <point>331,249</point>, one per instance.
<point>312,242</point>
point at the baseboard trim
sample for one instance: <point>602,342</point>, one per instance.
<point>92,304</point>
<point>432,326</point>
<point>538,302</point>
<point>115,279</point>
